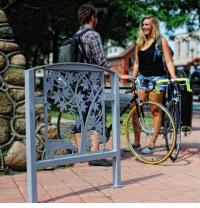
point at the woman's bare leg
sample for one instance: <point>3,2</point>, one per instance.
<point>157,115</point>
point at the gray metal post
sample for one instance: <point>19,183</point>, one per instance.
<point>116,131</point>
<point>30,136</point>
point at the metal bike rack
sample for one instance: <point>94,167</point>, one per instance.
<point>60,83</point>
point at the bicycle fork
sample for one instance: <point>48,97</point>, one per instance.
<point>141,116</point>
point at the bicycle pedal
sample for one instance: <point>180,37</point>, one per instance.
<point>186,130</point>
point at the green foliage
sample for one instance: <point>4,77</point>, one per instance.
<point>7,171</point>
<point>40,26</point>
<point>175,13</point>
<point>4,153</point>
<point>54,113</point>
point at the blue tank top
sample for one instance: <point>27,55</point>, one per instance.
<point>147,65</point>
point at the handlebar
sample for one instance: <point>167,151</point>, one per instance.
<point>162,82</point>
<point>179,81</point>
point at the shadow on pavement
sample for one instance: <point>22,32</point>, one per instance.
<point>187,151</point>
<point>105,186</point>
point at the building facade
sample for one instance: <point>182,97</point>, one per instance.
<point>123,63</point>
<point>186,48</point>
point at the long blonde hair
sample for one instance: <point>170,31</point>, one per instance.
<point>155,34</point>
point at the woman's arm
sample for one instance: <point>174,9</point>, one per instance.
<point>168,58</point>
<point>136,63</point>
<point>135,68</point>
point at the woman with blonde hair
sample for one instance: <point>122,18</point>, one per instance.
<point>150,66</point>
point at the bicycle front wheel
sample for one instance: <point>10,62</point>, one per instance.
<point>144,125</point>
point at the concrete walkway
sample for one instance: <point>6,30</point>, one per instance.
<point>168,182</point>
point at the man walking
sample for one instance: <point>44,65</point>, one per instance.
<point>93,49</point>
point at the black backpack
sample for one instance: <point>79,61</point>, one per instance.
<point>159,52</point>
<point>72,49</point>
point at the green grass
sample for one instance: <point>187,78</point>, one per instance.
<point>8,171</point>
<point>70,116</point>
<point>122,120</point>
<point>67,116</point>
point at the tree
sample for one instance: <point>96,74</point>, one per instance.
<point>175,13</point>
<point>40,26</point>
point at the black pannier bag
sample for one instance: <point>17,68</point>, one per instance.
<point>186,108</point>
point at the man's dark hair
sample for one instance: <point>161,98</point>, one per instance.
<point>85,12</point>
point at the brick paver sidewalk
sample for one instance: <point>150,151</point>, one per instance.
<point>169,182</point>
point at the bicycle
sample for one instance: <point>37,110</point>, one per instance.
<point>140,121</point>
<point>173,91</point>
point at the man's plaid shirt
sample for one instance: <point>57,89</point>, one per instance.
<point>92,43</point>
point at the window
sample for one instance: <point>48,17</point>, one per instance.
<point>110,50</point>
<point>198,47</point>
<point>130,62</point>
<point>179,48</point>
<point>187,48</point>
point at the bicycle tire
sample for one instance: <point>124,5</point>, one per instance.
<point>176,114</point>
<point>145,128</point>
<point>180,74</point>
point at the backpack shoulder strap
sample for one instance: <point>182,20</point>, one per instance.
<point>159,51</point>
<point>159,44</point>
<point>66,40</point>
<point>82,32</point>
<point>158,48</point>
<point>80,43</point>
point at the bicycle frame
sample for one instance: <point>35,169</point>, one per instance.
<point>175,98</point>
<point>135,99</point>
<point>142,127</point>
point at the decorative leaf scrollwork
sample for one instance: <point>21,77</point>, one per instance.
<point>80,93</point>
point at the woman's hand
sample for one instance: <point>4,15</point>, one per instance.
<point>125,76</point>
<point>173,78</point>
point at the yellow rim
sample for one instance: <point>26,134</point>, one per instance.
<point>174,139</point>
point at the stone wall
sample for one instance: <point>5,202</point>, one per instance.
<point>12,93</point>
<point>12,102</point>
